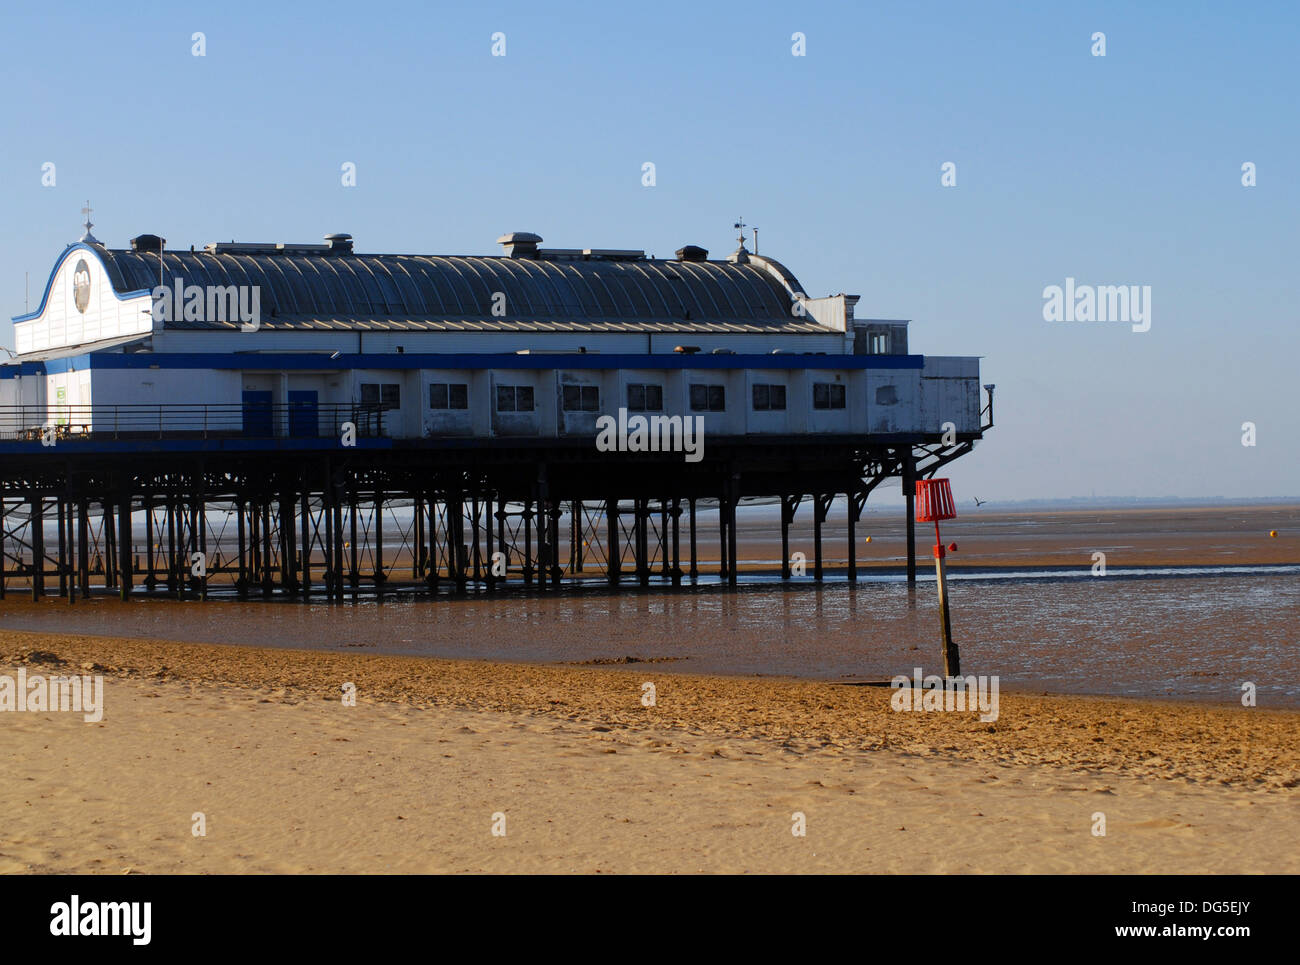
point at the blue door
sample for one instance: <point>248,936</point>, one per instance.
<point>304,414</point>
<point>257,414</point>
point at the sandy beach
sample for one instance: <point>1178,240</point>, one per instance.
<point>588,779</point>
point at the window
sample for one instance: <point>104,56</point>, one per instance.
<point>828,395</point>
<point>448,395</point>
<point>708,398</point>
<point>879,343</point>
<point>768,396</point>
<point>514,398</point>
<point>387,395</point>
<point>582,398</point>
<point>645,397</point>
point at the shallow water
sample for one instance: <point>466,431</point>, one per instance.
<point>1196,635</point>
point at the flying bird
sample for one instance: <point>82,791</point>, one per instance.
<point>979,502</point>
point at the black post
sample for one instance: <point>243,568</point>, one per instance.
<point>853,539</point>
<point>787,514</point>
<point>83,547</point>
<point>909,492</point>
<point>614,565</point>
<point>124,543</point>
<point>733,555</point>
<point>695,570</point>
<point>37,526</point>
<point>819,516</point>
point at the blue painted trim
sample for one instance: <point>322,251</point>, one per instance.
<point>300,361</point>
<point>189,445</point>
<point>67,252</point>
<point>71,363</point>
<point>13,370</point>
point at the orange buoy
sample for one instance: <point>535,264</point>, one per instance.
<point>1272,533</point>
<point>952,547</point>
<point>868,539</point>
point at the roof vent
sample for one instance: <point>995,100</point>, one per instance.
<point>340,243</point>
<point>692,253</point>
<point>147,243</point>
<point>520,244</point>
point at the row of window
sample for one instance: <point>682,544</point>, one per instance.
<point>641,397</point>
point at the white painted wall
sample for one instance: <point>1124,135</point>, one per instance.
<point>877,400</point>
<point>105,316</point>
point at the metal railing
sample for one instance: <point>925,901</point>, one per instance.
<point>38,423</point>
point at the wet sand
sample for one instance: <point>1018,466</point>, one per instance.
<point>1176,536</point>
<point>590,780</point>
<point>1196,637</point>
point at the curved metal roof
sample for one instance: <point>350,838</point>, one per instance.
<point>332,290</point>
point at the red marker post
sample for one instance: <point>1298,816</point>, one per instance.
<point>933,503</point>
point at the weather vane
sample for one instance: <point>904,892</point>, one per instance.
<point>87,223</point>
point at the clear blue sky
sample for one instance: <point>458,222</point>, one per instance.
<point>1117,170</point>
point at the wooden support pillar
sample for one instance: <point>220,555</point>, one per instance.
<point>241,536</point>
<point>854,508</point>
<point>431,570</point>
<point>110,546</point>
<point>336,549</point>
<point>501,533</point>
<point>288,542</point>
<point>306,537</point>
<point>268,578</point>
<point>819,516</point>
<point>172,586</point>
<point>677,533</point>
<point>490,576</point>
<point>455,540</point>
<point>417,536</point>
<point>722,533</point>
<point>664,569</point>
<point>787,516</point>
<point>331,576</point>
<point>83,547</point>
<point>614,564</point>
<point>201,519</point>
<point>695,570</point>
<point>379,574</point>
<point>557,572</point>
<point>576,528</point>
<point>354,550</point>
<point>733,567</point>
<point>528,541</point>
<point>61,559</point>
<point>909,492</point>
<point>124,544</point>
<point>544,549</point>
<point>150,538</point>
<point>476,550</point>
<point>640,525</point>
<point>37,526</point>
